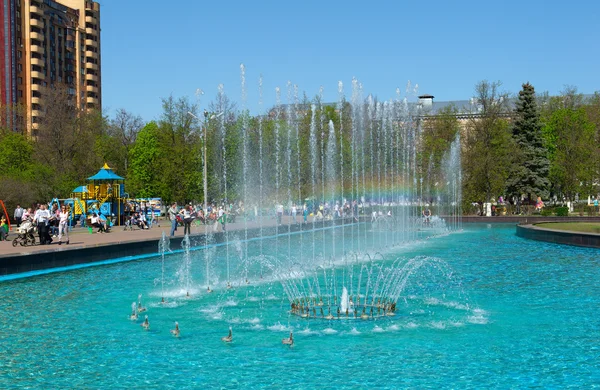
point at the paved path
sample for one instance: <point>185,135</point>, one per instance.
<point>81,238</point>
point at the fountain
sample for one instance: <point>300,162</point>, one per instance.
<point>363,189</point>
<point>163,247</point>
<point>408,295</point>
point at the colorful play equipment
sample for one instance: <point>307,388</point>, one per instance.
<point>3,209</point>
<point>104,194</point>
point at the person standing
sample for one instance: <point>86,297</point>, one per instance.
<point>18,215</point>
<point>63,221</point>
<point>222,217</point>
<point>173,218</point>
<point>279,211</point>
<point>42,216</point>
<point>187,219</point>
<point>294,212</point>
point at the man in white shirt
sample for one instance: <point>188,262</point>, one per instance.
<point>294,212</point>
<point>41,218</point>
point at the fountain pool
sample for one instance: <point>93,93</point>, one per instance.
<point>485,310</point>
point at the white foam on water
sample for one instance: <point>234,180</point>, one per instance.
<point>167,304</point>
<point>278,327</point>
<point>478,319</point>
<point>411,325</point>
<point>354,332</point>
<point>437,325</point>
<point>378,329</point>
<point>308,332</point>
<point>329,331</point>
<point>257,327</point>
<point>393,327</point>
<point>254,320</point>
<point>230,303</point>
<point>451,304</point>
<point>212,312</point>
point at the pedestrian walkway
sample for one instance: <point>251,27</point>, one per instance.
<point>81,238</point>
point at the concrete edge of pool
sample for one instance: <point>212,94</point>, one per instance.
<point>533,232</point>
<point>55,258</point>
<point>47,258</point>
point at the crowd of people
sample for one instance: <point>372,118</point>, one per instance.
<point>52,222</point>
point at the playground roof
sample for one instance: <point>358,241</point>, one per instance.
<point>80,189</point>
<point>105,173</point>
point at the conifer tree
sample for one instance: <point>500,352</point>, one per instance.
<point>530,175</point>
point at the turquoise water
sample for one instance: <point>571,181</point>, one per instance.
<point>490,310</point>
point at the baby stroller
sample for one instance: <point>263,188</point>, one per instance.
<point>25,234</point>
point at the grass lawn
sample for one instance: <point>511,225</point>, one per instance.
<point>583,227</point>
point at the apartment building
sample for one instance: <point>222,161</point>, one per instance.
<point>44,43</point>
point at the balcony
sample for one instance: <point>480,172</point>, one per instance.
<point>90,42</point>
<point>91,77</point>
<point>35,100</point>
<point>90,19</point>
<point>89,65</point>
<point>34,9</point>
<point>37,49</point>
<point>37,113</point>
<point>37,75</point>
<point>91,88</point>
<point>37,61</point>
<point>36,35</point>
<point>91,100</point>
<point>37,23</point>
<point>36,87</point>
<point>91,31</point>
<point>90,54</point>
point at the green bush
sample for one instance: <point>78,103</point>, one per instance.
<point>591,211</point>
<point>546,212</point>
<point>562,211</point>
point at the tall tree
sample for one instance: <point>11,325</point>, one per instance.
<point>530,174</point>
<point>572,151</point>
<point>67,140</point>
<point>181,143</point>
<point>124,129</point>
<point>146,156</point>
<point>439,132</point>
<point>489,151</point>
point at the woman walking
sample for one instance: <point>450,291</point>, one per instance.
<point>63,227</point>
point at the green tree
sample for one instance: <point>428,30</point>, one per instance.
<point>489,148</point>
<point>530,175</point>
<point>180,143</point>
<point>145,176</point>
<point>593,114</point>
<point>439,132</point>
<point>572,151</point>
<point>22,179</point>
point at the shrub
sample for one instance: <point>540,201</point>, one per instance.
<point>546,212</point>
<point>562,211</point>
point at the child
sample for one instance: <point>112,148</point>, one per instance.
<point>3,229</point>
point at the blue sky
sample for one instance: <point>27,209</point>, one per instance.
<point>152,49</point>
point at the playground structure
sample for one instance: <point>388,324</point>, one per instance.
<point>104,194</point>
